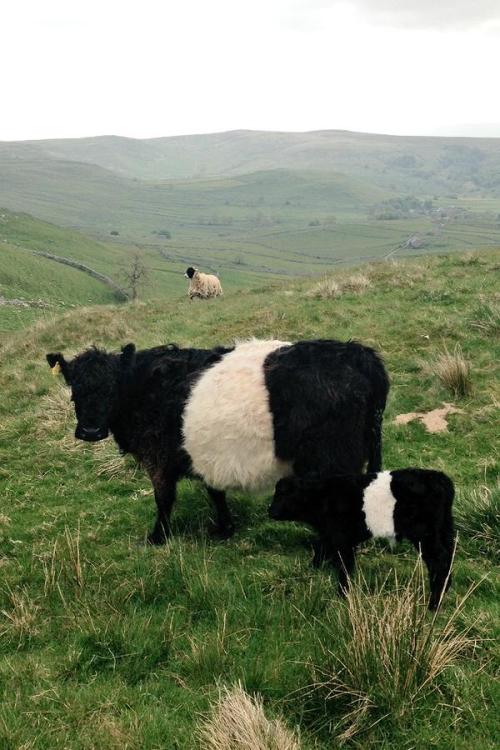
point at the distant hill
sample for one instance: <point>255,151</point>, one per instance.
<point>406,163</point>
<point>250,202</point>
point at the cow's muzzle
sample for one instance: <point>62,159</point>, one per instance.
<point>91,434</point>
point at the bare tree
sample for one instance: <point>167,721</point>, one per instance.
<point>135,274</point>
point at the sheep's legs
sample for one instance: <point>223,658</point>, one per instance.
<point>225,525</point>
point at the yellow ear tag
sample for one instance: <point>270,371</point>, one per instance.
<point>56,370</point>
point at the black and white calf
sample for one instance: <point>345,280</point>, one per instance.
<point>236,418</point>
<point>413,504</point>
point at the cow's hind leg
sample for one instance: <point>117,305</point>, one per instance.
<point>164,485</point>
<point>225,525</point>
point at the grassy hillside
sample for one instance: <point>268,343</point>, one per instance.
<point>258,203</point>
<point>45,286</point>
<point>107,643</point>
<point>283,221</point>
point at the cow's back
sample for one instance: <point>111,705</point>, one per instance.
<point>323,396</point>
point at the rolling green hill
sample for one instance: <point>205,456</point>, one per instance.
<point>105,642</point>
<point>246,204</point>
<point>401,163</point>
<point>40,286</point>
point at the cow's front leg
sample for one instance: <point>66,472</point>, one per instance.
<point>225,525</point>
<point>164,485</point>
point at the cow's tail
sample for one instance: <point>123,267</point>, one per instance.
<point>380,386</point>
<point>375,442</point>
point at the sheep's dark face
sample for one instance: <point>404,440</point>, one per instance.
<point>190,272</point>
<point>94,377</point>
<point>289,502</point>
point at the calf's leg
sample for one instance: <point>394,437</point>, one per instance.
<point>164,485</point>
<point>341,553</point>
<point>344,560</point>
<point>225,525</point>
<point>438,560</point>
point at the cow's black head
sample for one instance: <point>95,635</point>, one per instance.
<point>190,272</point>
<point>95,378</point>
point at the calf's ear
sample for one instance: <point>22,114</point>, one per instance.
<point>58,364</point>
<point>128,356</point>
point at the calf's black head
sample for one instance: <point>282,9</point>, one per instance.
<point>290,501</point>
<point>95,378</point>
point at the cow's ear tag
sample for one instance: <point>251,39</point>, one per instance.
<point>56,370</point>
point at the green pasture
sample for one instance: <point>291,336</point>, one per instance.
<point>108,643</point>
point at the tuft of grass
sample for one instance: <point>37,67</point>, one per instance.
<point>357,283</point>
<point>486,319</point>
<point>18,620</point>
<point>238,722</point>
<point>380,654</point>
<point>470,259</point>
<point>453,371</point>
<point>327,288</point>
<point>478,519</point>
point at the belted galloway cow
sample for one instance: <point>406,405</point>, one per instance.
<point>239,417</point>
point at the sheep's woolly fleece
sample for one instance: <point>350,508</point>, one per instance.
<point>433,421</point>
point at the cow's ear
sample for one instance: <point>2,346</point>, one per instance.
<point>58,365</point>
<point>128,356</point>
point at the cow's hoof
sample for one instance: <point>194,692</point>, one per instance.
<point>156,538</point>
<point>226,531</point>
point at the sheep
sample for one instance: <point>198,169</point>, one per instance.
<point>414,504</point>
<point>202,285</point>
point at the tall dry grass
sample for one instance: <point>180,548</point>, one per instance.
<point>327,288</point>
<point>477,517</point>
<point>486,319</point>
<point>356,283</point>
<point>453,371</point>
<point>238,722</point>
<point>330,288</point>
<point>380,654</point>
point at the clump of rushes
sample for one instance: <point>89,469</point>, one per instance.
<point>357,283</point>
<point>238,722</point>
<point>327,288</point>
<point>453,370</point>
<point>379,655</point>
<point>486,319</point>
<point>477,517</point>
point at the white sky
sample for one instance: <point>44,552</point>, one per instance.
<point>147,68</point>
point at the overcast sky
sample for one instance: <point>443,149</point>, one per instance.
<point>147,68</point>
